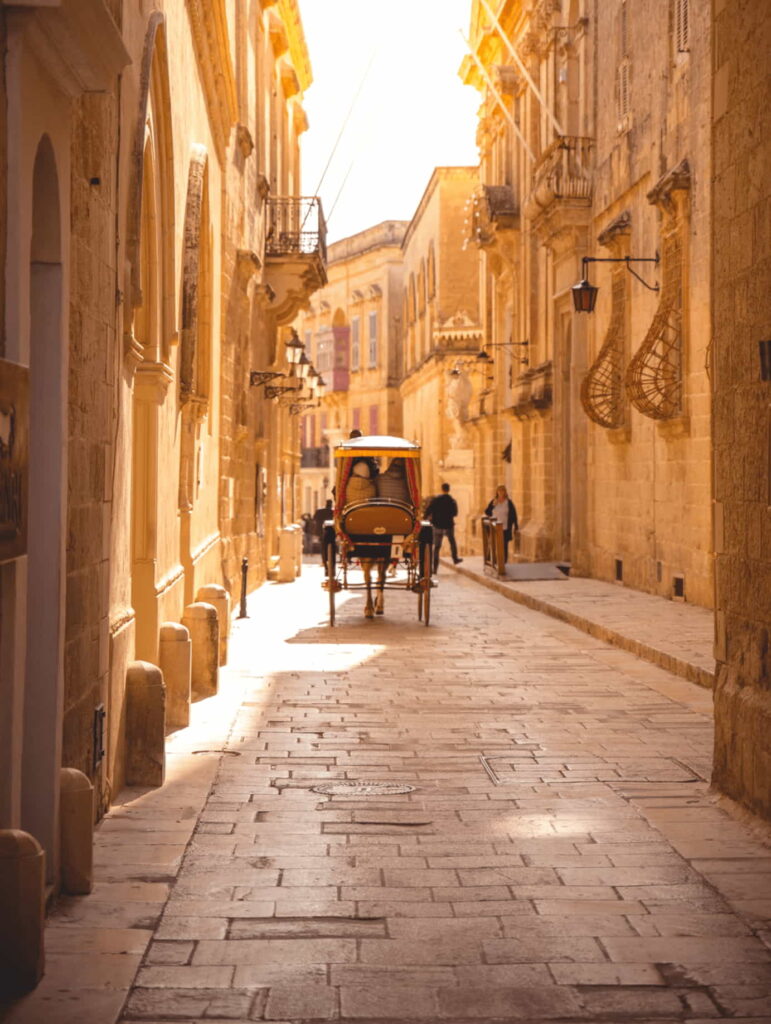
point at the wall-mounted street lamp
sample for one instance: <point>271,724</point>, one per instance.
<point>585,294</point>
<point>294,351</point>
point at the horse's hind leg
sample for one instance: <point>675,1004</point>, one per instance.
<point>380,599</point>
<point>369,611</point>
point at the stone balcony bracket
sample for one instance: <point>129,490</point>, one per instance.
<point>295,253</point>
<point>562,175</point>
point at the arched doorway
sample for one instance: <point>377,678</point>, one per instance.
<point>43,687</point>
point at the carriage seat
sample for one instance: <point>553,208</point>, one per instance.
<point>378,517</point>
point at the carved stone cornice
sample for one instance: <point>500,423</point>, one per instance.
<point>208,21</point>
<point>615,235</point>
<point>244,140</point>
<point>248,263</point>
<point>509,80</point>
<point>152,381</point>
<point>663,192</point>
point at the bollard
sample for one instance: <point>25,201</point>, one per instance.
<point>76,857</point>
<point>201,620</point>
<point>244,578</point>
<point>287,559</point>
<point>175,661</point>
<point>217,596</point>
<point>22,912</point>
<point>145,725</point>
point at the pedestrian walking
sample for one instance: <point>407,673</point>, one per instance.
<point>442,511</point>
<point>321,516</point>
<point>502,509</point>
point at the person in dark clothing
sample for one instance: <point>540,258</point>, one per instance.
<point>503,510</point>
<point>442,511</point>
<point>321,516</point>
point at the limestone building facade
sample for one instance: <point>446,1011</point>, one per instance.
<point>594,144</point>
<point>741,325</point>
<point>442,335</point>
<point>156,248</point>
<point>353,334</point>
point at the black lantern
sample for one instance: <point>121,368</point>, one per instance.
<point>584,296</point>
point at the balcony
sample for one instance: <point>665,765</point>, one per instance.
<point>295,253</point>
<point>315,458</point>
<point>561,191</point>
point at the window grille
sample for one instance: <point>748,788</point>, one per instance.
<point>681,26</point>
<point>373,339</point>
<point>355,344</point>
<point>654,377</point>
<point>602,389</point>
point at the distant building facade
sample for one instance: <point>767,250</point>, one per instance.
<point>352,333</point>
<point>442,335</point>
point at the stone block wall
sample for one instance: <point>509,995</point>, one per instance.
<point>741,317</point>
<point>92,383</point>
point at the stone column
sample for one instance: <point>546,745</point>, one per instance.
<point>219,598</point>
<point>76,818</point>
<point>175,662</point>
<point>202,621</point>
<point>22,911</point>
<point>145,725</point>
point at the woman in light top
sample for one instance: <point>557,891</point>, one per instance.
<point>503,510</point>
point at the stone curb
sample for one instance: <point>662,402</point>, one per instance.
<point>677,666</point>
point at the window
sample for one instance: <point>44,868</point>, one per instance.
<point>355,344</point>
<point>373,419</point>
<point>309,344</point>
<point>357,419</point>
<point>681,26</point>
<point>373,339</point>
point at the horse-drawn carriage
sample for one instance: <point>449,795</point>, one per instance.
<point>377,525</point>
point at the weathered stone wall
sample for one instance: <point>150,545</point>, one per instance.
<point>741,317</point>
<point>648,487</point>
<point>93,376</point>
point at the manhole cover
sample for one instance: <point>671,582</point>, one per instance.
<point>230,753</point>
<point>362,788</point>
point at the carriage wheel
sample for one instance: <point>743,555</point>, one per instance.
<point>426,560</point>
<point>329,562</point>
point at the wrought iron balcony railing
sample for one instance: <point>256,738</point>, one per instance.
<point>296,227</point>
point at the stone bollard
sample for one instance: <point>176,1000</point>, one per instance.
<point>202,622</point>
<point>76,824</point>
<point>217,596</point>
<point>22,911</point>
<point>287,557</point>
<point>175,661</point>
<point>145,725</point>
<point>298,549</point>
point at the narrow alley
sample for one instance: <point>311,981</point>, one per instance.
<point>495,818</point>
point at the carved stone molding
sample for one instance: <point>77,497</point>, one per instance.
<point>208,20</point>
<point>248,263</point>
<point>663,193</point>
<point>244,140</point>
<point>152,382</point>
<point>619,229</point>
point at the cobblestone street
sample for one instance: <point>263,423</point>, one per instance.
<point>559,858</point>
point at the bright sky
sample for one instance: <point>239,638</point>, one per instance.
<point>413,113</point>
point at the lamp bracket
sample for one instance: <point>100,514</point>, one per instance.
<point>274,391</point>
<point>627,260</point>
<point>260,377</point>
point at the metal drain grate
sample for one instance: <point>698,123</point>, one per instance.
<point>362,788</point>
<point>505,770</point>
<point>230,753</point>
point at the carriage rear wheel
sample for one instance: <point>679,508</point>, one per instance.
<point>330,552</point>
<point>426,565</point>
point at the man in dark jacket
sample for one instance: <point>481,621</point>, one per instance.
<point>442,511</point>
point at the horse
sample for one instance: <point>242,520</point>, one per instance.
<point>376,607</point>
